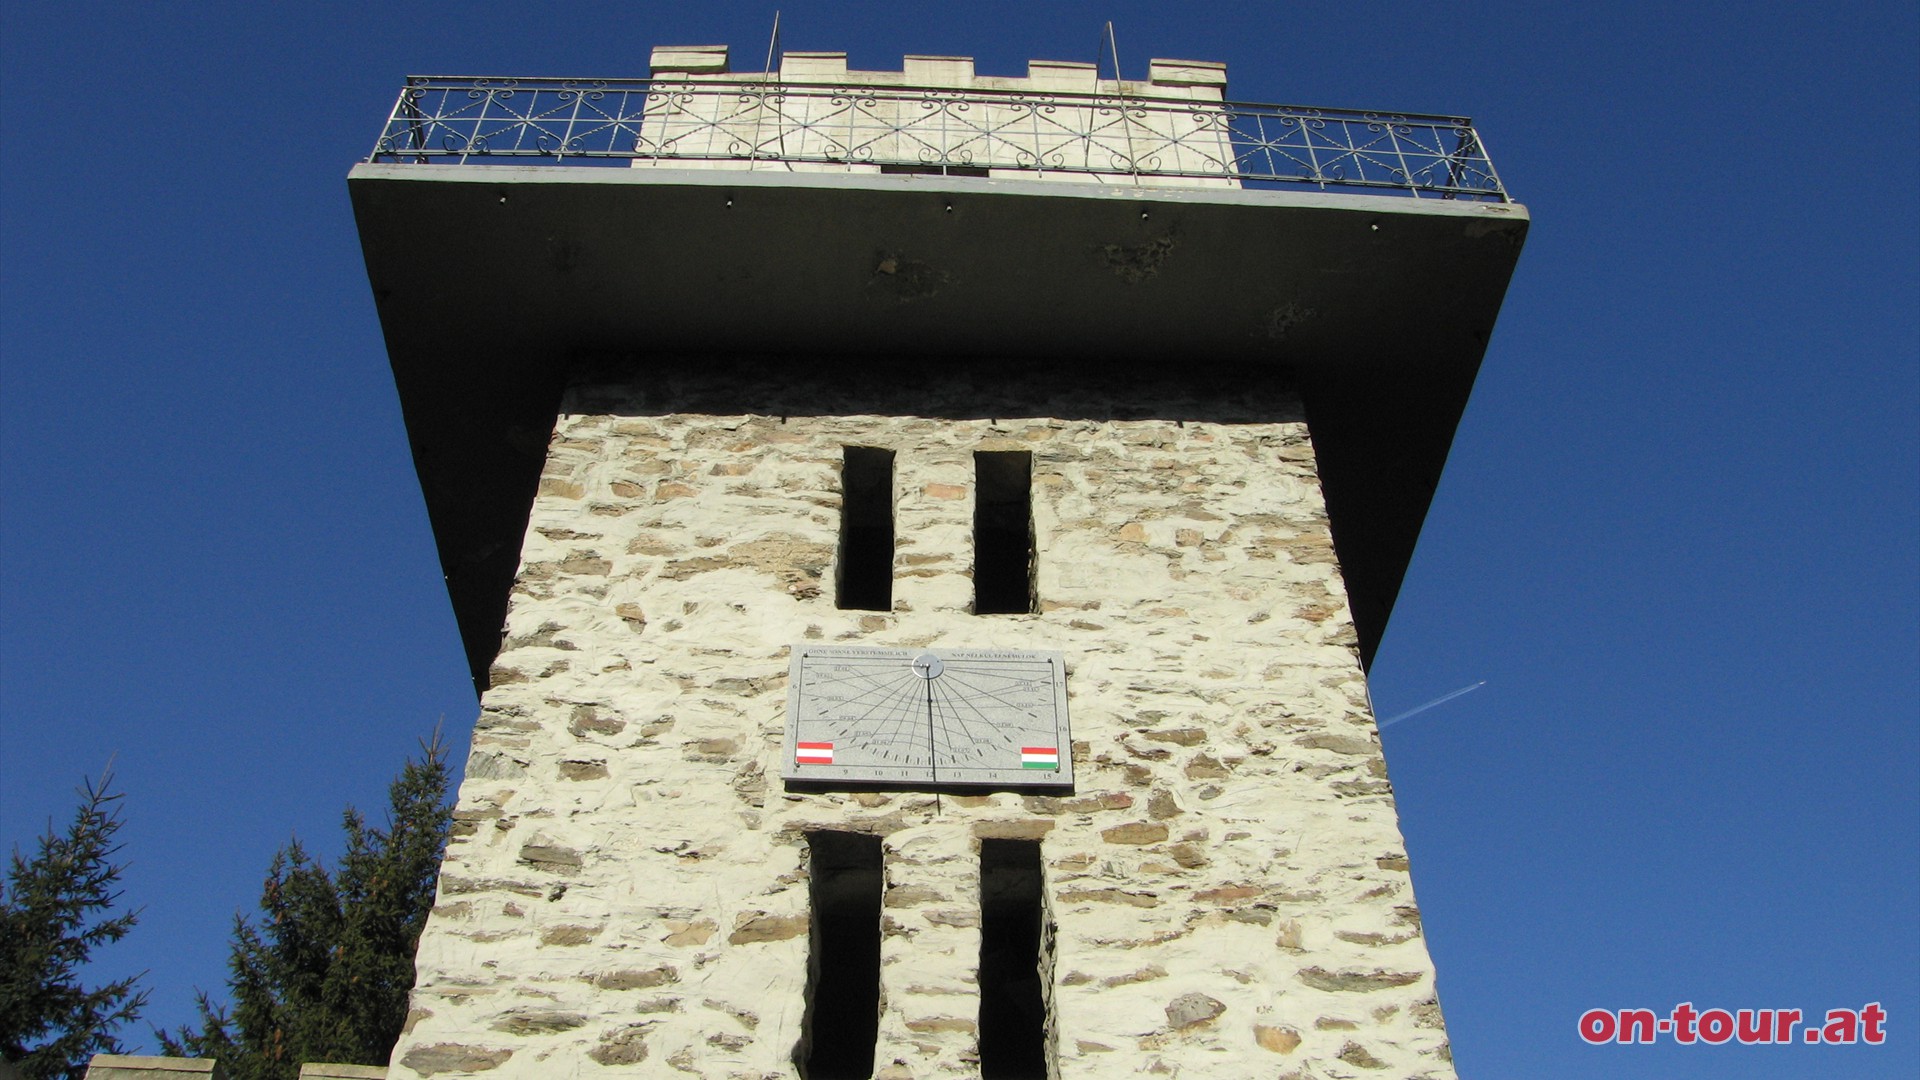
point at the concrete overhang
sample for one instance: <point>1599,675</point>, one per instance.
<point>493,281</point>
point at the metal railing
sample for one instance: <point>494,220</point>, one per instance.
<point>1093,137</point>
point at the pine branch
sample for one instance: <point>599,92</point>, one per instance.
<point>52,917</point>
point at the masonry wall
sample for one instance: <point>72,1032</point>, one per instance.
<point>627,893</point>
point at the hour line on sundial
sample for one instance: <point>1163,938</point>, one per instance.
<point>927,717</point>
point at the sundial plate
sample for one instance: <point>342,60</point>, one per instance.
<point>933,717</point>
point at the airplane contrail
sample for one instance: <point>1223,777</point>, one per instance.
<point>1441,700</point>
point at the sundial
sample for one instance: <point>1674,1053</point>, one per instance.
<point>932,717</point>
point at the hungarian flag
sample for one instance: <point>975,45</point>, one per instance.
<point>814,753</point>
<point>1040,757</point>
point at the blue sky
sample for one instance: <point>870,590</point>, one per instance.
<point>1678,537</point>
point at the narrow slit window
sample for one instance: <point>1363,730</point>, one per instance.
<point>1016,962</point>
<point>842,1020</point>
<point>1002,532</point>
<point>863,578</point>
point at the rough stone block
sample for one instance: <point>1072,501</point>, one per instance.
<point>141,1067</point>
<point>316,1071</point>
<point>1062,75</point>
<point>809,66</point>
<point>688,59</point>
<point>1210,73</point>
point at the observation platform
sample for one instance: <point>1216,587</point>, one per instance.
<point>514,228</point>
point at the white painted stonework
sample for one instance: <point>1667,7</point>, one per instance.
<point>1062,121</point>
<point>627,893</point>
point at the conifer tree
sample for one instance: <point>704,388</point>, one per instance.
<point>53,914</point>
<point>324,975</point>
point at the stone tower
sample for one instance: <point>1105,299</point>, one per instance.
<point>721,386</point>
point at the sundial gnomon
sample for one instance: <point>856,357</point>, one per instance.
<point>939,717</point>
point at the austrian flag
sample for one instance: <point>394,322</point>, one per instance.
<point>1040,757</point>
<point>814,753</point>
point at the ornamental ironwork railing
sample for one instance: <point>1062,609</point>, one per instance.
<point>1091,137</point>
